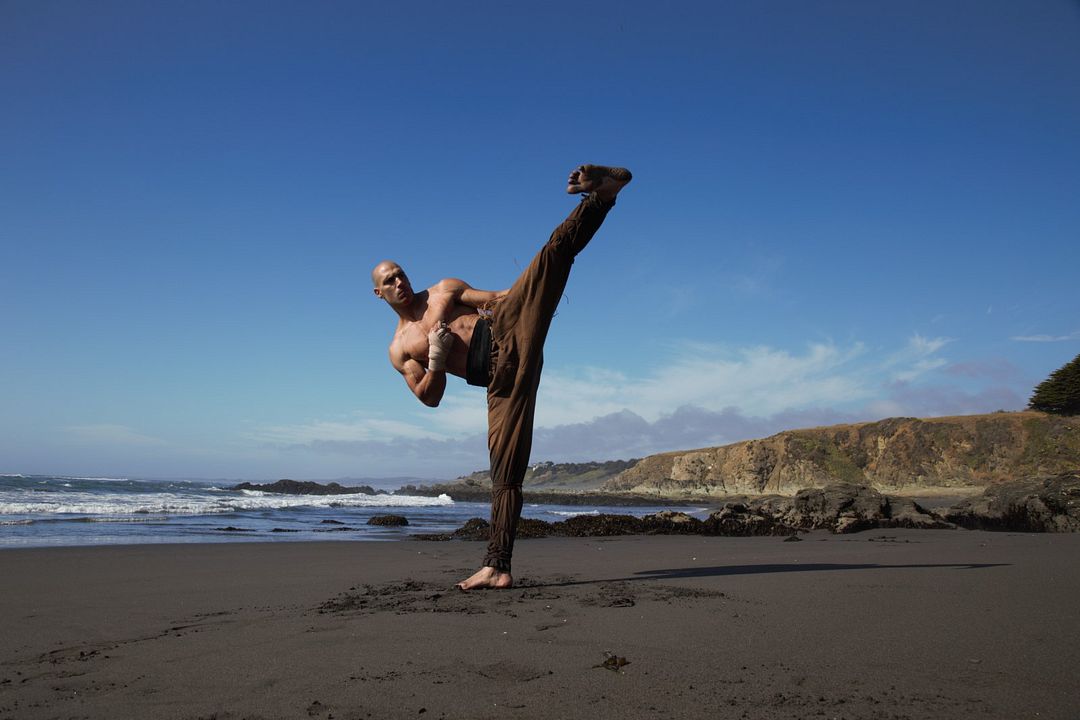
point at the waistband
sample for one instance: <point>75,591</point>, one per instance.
<point>478,362</point>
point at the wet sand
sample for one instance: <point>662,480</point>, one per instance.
<point>893,624</point>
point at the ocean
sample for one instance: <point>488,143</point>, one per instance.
<point>47,510</point>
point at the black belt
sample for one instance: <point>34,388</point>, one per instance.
<point>478,362</point>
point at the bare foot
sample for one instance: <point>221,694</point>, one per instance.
<point>487,577</point>
<point>605,181</point>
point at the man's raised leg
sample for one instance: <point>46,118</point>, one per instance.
<point>519,331</point>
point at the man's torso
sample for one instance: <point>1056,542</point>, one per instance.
<point>411,341</point>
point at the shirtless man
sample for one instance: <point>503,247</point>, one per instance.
<point>495,339</point>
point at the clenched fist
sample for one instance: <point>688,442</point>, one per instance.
<point>440,340</point>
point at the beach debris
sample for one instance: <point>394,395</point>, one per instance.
<point>793,538</point>
<point>612,662</point>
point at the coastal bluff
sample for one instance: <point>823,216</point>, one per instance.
<point>905,456</point>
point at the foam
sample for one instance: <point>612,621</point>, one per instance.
<point>574,513</point>
<point>75,477</point>
<point>196,504</point>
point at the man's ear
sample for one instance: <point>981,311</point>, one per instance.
<point>378,294</point>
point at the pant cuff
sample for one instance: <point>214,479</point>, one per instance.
<point>498,564</point>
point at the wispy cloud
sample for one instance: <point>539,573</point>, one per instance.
<point>108,434</point>
<point>1046,338</point>
<point>704,394</point>
<point>761,379</point>
<point>346,431</point>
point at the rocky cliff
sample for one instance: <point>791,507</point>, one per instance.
<point>898,455</point>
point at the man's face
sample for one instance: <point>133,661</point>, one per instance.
<point>392,284</point>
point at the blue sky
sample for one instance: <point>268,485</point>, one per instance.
<point>841,211</point>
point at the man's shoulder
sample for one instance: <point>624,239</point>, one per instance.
<point>448,285</point>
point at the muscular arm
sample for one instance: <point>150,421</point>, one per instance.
<point>427,385</point>
<point>465,294</point>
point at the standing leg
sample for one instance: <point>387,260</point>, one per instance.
<point>510,426</point>
<point>519,330</point>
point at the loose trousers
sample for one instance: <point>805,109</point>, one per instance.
<point>519,328</point>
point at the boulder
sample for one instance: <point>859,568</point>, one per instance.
<point>839,508</point>
<point>388,520</point>
<point>1037,504</point>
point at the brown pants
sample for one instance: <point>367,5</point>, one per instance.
<point>519,328</point>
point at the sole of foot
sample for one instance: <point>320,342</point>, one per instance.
<point>603,180</point>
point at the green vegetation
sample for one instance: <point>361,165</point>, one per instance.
<point>1059,393</point>
<point>1053,445</point>
<point>826,453</point>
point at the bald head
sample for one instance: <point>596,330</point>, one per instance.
<point>391,283</point>
<point>381,269</point>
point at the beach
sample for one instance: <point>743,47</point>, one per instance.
<point>878,624</point>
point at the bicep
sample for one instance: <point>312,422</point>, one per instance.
<point>413,372</point>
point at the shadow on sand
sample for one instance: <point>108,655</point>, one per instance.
<point>726,570</point>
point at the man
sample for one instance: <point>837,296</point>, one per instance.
<point>496,340</point>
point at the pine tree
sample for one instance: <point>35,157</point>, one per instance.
<point>1059,393</point>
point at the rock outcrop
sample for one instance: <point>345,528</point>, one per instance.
<point>307,487</point>
<point>1041,504</point>
<point>899,455</point>
<point>840,508</point>
<point>388,520</point>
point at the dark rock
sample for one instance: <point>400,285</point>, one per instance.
<point>530,528</point>
<point>307,487</point>
<point>839,508</point>
<point>230,528</point>
<point>599,525</point>
<point>331,522</point>
<point>473,529</point>
<point>1038,504</point>
<point>389,520</point>
<point>740,519</point>
<point>670,522</point>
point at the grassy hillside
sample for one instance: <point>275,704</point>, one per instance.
<point>899,455</point>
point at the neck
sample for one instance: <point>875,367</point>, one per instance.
<point>413,310</point>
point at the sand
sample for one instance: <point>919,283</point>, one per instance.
<point>896,624</point>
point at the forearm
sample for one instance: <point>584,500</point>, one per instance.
<point>431,387</point>
<point>479,298</point>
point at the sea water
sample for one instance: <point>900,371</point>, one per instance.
<point>47,510</point>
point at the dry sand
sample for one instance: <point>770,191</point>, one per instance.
<point>896,624</point>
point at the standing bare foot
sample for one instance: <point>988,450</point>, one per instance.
<point>605,181</point>
<point>487,577</point>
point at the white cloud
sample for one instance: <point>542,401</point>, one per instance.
<point>761,379</point>
<point>705,394</point>
<point>358,430</point>
<point>1046,338</point>
<point>916,358</point>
